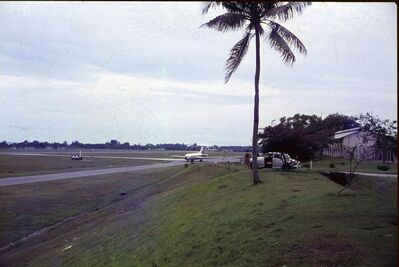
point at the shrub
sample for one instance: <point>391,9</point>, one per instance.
<point>383,167</point>
<point>332,165</point>
<point>305,165</point>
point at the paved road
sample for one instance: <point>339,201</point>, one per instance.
<point>376,174</point>
<point>77,174</point>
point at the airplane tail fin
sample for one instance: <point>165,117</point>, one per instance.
<point>202,149</point>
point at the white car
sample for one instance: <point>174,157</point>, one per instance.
<point>276,160</point>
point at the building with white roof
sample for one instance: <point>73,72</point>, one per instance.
<point>350,138</point>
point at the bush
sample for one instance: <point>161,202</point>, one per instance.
<point>305,165</point>
<point>332,165</point>
<point>383,167</point>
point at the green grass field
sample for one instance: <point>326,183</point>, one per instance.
<point>31,207</point>
<point>18,165</point>
<point>207,215</point>
<point>342,164</point>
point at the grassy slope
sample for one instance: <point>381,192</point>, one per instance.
<point>27,208</point>
<point>292,219</point>
<point>212,215</point>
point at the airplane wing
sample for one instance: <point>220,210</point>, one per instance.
<point>204,158</point>
<point>177,156</point>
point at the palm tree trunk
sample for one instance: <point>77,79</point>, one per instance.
<point>255,173</point>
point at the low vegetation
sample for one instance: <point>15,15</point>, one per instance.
<point>342,164</point>
<point>207,215</point>
<point>17,165</point>
<point>383,167</point>
<point>25,209</point>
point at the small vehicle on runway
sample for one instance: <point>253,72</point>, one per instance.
<point>276,160</point>
<point>77,156</point>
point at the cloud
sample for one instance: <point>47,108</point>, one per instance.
<point>146,72</point>
<point>25,128</point>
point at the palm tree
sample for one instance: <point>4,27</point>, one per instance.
<point>257,19</point>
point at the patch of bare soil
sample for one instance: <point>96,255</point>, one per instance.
<point>369,184</point>
<point>336,177</point>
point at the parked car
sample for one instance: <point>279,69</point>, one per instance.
<point>276,160</point>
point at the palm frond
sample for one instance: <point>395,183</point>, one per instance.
<point>235,7</point>
<point>289,37</point>
<point>227,21</point>
<point>236,55</point>
<point>230,6</point>
<point>209,5</point>
<point>266,6</point>
<point>286,11</point>
<point>278,43</point>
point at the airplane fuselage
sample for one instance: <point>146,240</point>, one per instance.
<point>195,156</point>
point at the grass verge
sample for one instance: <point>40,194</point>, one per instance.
<point>342,164</point>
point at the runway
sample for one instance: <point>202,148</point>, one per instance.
<point>77,174</point>
<point>8,181</point>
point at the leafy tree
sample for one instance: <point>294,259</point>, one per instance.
<point>338,122</point>
<point>301,136</point>
<point>125,145</point>
<point>304,136</point>
<point>114,143</point>
<point>384,132</point>
<point>3,144</point>
<point>35,144</point>
<point>149,146</point>
<point>257,19</point>
<point>76,144</point>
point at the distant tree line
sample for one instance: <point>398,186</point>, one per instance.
<point>305,136</point>
<point>114,144</point>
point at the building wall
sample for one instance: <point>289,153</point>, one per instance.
<point>363,142</point>
<point>358,139</point>
<point>365,149</point>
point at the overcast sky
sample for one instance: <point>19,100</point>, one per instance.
<point>147,73</point>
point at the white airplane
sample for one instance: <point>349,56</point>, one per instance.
<point>190,157</point>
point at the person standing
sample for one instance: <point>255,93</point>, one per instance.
<point>247,158</point>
